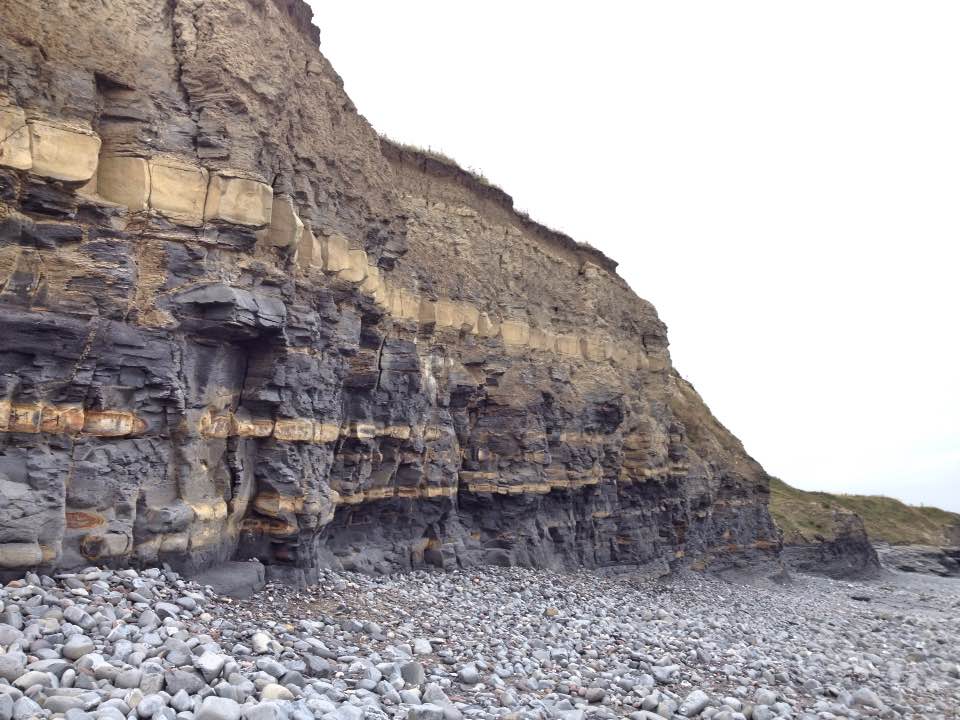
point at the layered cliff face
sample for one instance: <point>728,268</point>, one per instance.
<point>237,324</point>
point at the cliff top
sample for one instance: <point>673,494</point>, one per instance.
<point>441,166</point>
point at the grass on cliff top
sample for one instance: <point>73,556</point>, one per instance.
<point>802,515</point>
<point>442,158</point>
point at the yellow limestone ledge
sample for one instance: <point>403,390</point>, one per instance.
<point>383,493</point>
<point>178,189</point>
<point>14,138</point>
<point>124,180</point>
<point>63,151</point>
<point>189,194</point>
<point>286,227</point>
<point>68,420</point>
<point>239,200</point>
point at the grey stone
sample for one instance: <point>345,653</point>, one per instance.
<point>218,708</point>
<point>427,711</point>
<point>234,579</point>
<point>34,677</point>
<point>265,711</point>
<point>12,666</point>
<point>413,673</point>
<point>469,675</point>
<point>181,701</point>
<point>595,695</point>
<point>694,703</point>
<point>77,646</point>
<point>210,665</point>
<point>150,705</point>
<point>25,709</point>
<point>422,646</point>
<point>188,680</point>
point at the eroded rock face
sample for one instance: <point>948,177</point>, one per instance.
<point>236,324</point>
<point>846,553</point>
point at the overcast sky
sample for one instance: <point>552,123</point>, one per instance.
<point>782,180</point>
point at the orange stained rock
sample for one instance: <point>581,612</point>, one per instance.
<point>81,520</point>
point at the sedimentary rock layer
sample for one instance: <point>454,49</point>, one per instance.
<point>239,324</point>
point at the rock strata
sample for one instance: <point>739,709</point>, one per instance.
<point>846,552</point>
<point>943,561</point>
<point>239,325</point>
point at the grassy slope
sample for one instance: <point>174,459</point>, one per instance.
<point>802,515</point>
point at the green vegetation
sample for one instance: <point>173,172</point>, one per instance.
<point>802,515</point>
<point>441,158</point>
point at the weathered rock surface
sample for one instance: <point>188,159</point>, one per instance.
<point>943,561</point>
<point>237,324</point>
<point>846,552</point>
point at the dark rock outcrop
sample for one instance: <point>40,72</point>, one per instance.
<point>925,559</point>
<point>237,325</point>
<point>847,553</point>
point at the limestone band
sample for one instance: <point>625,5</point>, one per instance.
<point>190,195</point>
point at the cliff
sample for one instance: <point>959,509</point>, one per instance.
<point>238,324</point>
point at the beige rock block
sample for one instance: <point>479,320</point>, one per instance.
<point>325,432</point>
<point>216,425</point>
<point>393,302</point>
<point>363,430</point>
<point>63,152</point>
<point>125,181</point>
<point>569,345</point>
<point>487,327</point>
<point>18,555</point>
<point>465,317</point>
<point>405,304</point>
<point>446,314</point>
<point>286,227</point>
<point>89,188</point>
<point>238,200</point>
<point>356,269</point>
<point>251,427</point>
<point>373,285</point>
<point>112,423</point>
<point>62,419</point>
<point>398,432</point>
<point>336,253</point>
<point>592,349</point>
<point>619,354</point>
<point>309,250</point>
<point>552,338</point>
<point>428,312</point>
<point>294,430</point>
<point>14,139</point>
<point>273,505</point>
<point>25,418</point>
<point>515,332</point>
<point>178,190</point>
<point>541,340</point>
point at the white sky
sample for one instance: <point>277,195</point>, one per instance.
<point>782,180</point>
